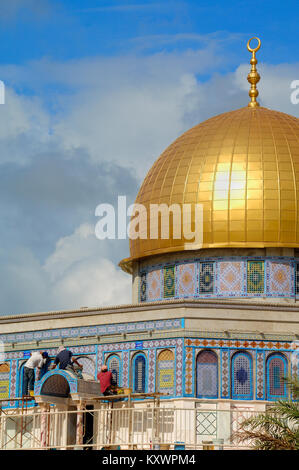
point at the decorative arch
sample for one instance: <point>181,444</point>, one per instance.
<point>276,369</point>
<point>241,376</point>
<point>139,373</point>
<point>207,374</point>
<point>114,365</point>
<point>58,383</point>
<point>166,372</point>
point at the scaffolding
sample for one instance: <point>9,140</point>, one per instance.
<point>117,422</point>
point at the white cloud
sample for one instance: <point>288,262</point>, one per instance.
<point>80,275</point>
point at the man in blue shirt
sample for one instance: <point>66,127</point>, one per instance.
<point>65,360</point>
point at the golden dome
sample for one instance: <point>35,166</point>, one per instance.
<point>243,166</point>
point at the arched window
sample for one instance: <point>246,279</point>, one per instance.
<point>207,375</point>
<point>139,373</point>
<point>165,372</point>
<point>242,376</point>
<point>113,364</point>
<point>276,369</point>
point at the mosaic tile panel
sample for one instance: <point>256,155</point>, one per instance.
<point>225,382</point>
<point>186,280</point>
<point>151,370</point>
<point>260,374</point>
<point>166,372</point>
<point>88,364</point>
<point>255,277</point>
<point>125,369</point>
<point>188,371</point>
<point>280,279</point>
<point>92,331</point>
<point>179,366</point>
<point>230,279</point>
<point>4,386</point>
<point>169,281</point>
<point>297,278</point>
<point>237,343</point>
<point>206,277</point>
<point>143,287</point>
<point>154,285</point>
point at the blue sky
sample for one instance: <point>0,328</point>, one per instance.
<point>95,91</point>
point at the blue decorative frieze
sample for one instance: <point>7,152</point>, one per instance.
<point>93,331</point>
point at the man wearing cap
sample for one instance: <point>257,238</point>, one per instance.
<point>106,380</point>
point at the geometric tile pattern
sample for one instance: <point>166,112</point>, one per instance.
<point>188,371</point>
<point>225,374</point>
<point>260,374</point>
<point>179,366</point>
<point>142,287</point>
<point>125,369</point>
<point>238,343</point>
<point>222,277</point>
<point>154,285</point>
<point>206,277</point>
<point>186,280</point>
<point>206,423</point>
<point>151,370</point>
<point>169,281</point>
<point>279,278</point>
<point>255,277</point>
<point>230,278</point>
<point>88,365</point>
<point>297,278</point>
<point>89,331</point>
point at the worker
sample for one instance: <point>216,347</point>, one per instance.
<point>106,381</point>
<point>45,366</point>
<point>35,360</point>
<point>65,360</point>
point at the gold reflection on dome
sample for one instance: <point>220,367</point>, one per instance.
<point>243,166</point>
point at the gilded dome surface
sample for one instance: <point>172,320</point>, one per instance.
<point>243,167</point>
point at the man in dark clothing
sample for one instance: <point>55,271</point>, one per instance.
<point>65,360</point>
<point>45,366</point>
<point>106,381</point>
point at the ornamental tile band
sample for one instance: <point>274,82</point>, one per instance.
<point>230,277</point>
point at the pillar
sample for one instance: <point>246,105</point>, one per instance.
<point>79,427</point>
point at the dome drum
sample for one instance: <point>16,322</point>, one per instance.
<point>208,277</point>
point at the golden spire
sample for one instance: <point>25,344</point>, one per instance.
<point>253,77</point>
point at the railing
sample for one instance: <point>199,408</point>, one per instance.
<point>124,428</point>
